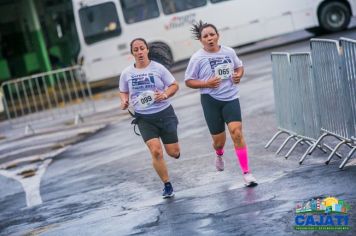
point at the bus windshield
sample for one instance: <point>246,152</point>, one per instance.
<point>99,22</point>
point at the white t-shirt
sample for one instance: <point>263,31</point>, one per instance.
<point>204,65</point>
<point>142,83</point>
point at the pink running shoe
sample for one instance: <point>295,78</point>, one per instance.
<point>219,163</point>
<point>250,181</point>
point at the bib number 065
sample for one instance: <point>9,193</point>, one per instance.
<point>223,71</point>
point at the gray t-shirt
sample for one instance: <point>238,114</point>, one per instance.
<point>204,65</point>
<point>139,82</point>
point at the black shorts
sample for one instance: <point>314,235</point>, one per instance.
<point>217,112</point>
<point>162,125</point>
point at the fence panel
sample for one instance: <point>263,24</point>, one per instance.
<point>281,78</point>
<point>349,59</point>
<point>332,92</point>
<point>306,109</point>
<point>47,96</point>
<point>316,92</point>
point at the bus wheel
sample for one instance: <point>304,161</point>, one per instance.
<point>334,16</point>
<point>160,52</point>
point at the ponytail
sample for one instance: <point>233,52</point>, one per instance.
<point>198,27</point>
<point>158,52</point>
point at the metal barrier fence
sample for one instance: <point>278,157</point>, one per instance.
<point>47,96</point>
<point>333,93</point>
<point>349,59</point>
<point>295,100</point>
<point>280,73</point>
<point>315,93</point>
<point>302,74</point>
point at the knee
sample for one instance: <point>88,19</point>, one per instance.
<point>157,153</point>
<point>237,134</point>
<point>218,144</point>
<point>175,154</point>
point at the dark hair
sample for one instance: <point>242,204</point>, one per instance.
<point>198,27</point>
<point>158,52</point>
<point>137,39</point>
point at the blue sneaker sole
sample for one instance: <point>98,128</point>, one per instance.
<point>168,196</point>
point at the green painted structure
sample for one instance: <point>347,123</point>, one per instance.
<point>36,36</point>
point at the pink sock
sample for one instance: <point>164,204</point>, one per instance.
<point>219,152</point>
<point>241,154</point>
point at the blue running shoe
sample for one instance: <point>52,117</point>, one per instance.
<point>168,190</point>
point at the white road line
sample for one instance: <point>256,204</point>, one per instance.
<point>31,184</point>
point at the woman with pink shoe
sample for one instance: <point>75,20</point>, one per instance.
<point>216,70</point>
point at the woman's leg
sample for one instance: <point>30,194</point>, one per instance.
<point>218,145</point>
<point>219,142</point>
<point>235,129</point>
<point>159,164</point>
<point>216,124</point>
<point>232,116</point>
<point>173,150</point>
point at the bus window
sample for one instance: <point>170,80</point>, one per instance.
<point>139,10</point>
<point>99,22</point>
<point>217,1</point>
<point>173,6</point>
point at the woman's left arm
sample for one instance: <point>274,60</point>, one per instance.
<point>237,75</point>
<point>169,92</point>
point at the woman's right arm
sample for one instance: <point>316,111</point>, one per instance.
<point>213,82</point>
<point>124,97</point>
<point>124,91</point>
<point>192,75</point>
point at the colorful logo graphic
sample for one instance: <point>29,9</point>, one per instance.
<point>322,213</point>
<point>179,21</point>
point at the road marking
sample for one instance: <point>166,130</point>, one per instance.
<point>34,171</point>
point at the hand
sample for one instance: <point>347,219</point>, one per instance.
<point>159,96</point>
<point>213,82</point>
<point>236,78</point>
<point>124,104</point>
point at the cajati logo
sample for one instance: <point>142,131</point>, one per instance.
<point>322,213</point>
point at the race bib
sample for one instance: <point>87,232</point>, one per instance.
<point>145,99</point>
<point>224,71</point>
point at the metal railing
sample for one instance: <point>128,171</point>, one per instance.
<point>315,96</point>
<point>295,100</point>
<point>333,94</point>
<point>349,61</point>
<point>281,74</point>
<point>52,95</point>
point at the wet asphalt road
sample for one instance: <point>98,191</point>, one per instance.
<point>105,184</point>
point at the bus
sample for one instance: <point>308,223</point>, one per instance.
<point>106,27</point>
